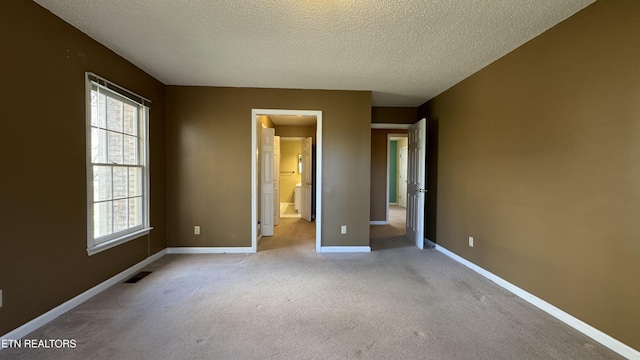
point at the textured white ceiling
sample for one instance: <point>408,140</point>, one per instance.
<point>405,52</point>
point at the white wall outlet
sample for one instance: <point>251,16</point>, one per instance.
<point>343,229</point>
<point>196,230</point>
<point>471,241</point>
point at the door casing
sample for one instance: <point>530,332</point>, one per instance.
<point>402,170</point>
<point>391,137</point>
<point>254,169</point>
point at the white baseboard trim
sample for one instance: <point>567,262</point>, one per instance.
<point>378,222</point>
<point>209,250</point>
<point>344,249</point>
<point>597,335</point>
<point>52,314</point>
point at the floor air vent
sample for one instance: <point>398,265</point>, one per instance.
<point>137,277</point>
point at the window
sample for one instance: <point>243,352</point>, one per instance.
<point>117,165</point>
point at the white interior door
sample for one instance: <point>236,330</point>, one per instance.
<point>416,182</point>
<point>307,181</point>
<point>402,178</point>
<point>276,180</point>
<point>266,180</point>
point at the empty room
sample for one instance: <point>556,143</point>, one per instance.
<point>320,179</point>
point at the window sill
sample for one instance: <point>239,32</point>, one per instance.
<point>117,241</point>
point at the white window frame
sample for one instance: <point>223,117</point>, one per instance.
<point>117,238</point>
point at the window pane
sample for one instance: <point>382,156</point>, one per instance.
<point>102,221</point>
<point>119,182</point>
<point>135,181</point>
<point>114,114</point>
<point>94,108</point>
<point>135,211</point>
<point>130,119</point>
<point>98,145</point>
<point>101,183</point>
<point>102,111</point>
<point>115,148</point>
<point>130,150</point>
<point>120,218</point>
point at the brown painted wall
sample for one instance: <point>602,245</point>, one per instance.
<point>43,210</point>
<point>378,210</point>
<point>539,159</point>
<point>209,148</point>
<point>394,115</point>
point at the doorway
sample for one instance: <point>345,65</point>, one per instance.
<point>290,176</point>
<point>413,205</point>
<point>314,187</point>
<point>396,202</point>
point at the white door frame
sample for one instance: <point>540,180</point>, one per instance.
<point>403,166</point>
<point>254,169</point>
<point>387,126</point>
<point>391,137</point>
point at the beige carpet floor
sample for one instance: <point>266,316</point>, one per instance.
<point>289,302</point>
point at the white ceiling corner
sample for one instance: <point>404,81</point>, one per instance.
<point>405,52</point>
